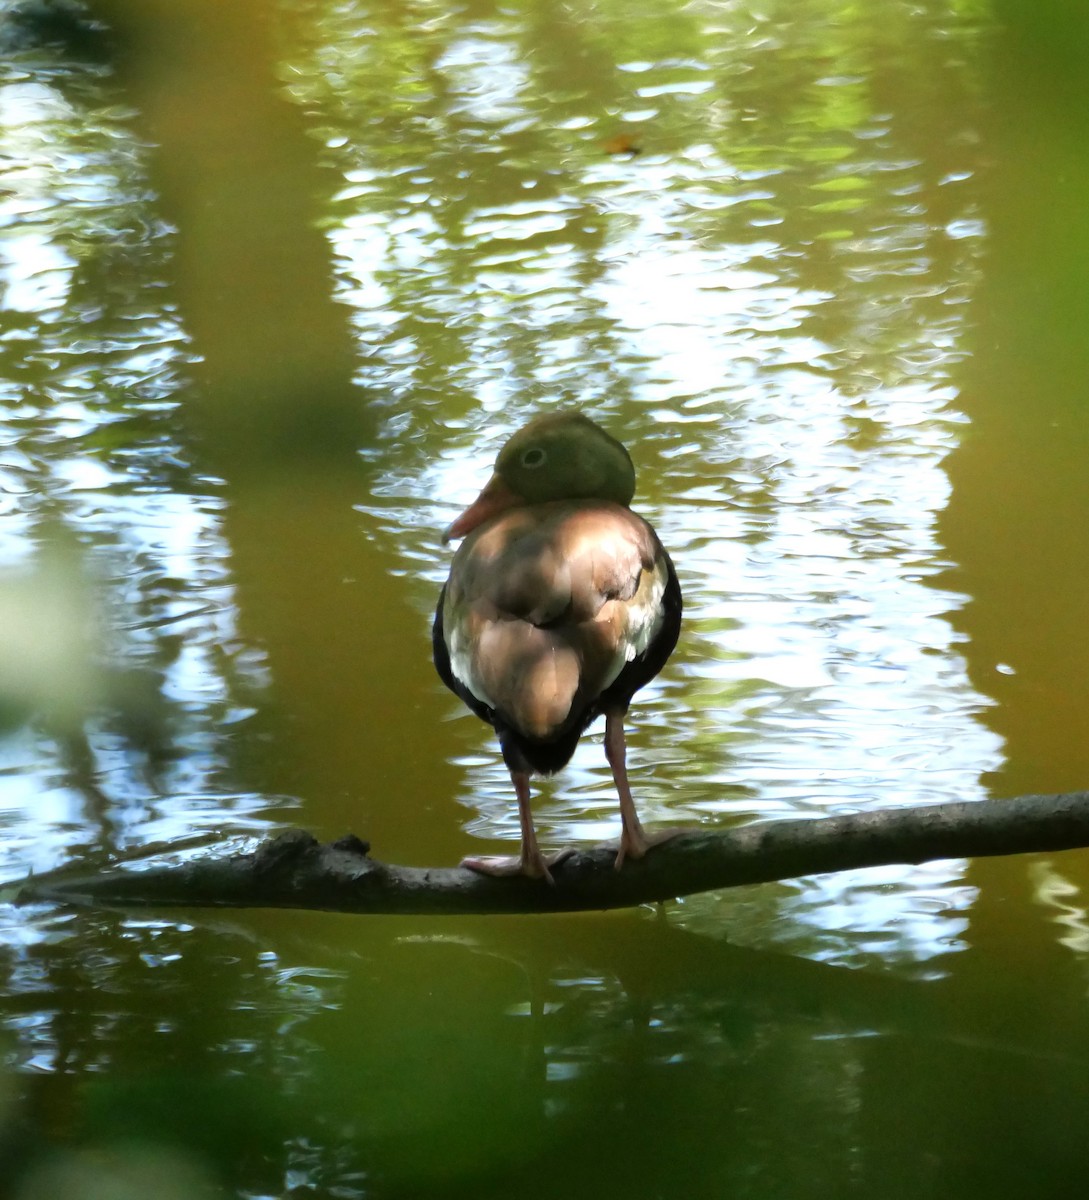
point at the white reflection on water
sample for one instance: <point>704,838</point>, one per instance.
<point>788,432</point>
<point>817,672</point>
<point>795,479</point>
<point>485,75</point>
<point>130,746</point>
<point>34,273</point>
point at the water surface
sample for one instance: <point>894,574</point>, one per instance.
<point>277,284</point>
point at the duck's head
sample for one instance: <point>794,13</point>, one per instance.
<point>562,456</point>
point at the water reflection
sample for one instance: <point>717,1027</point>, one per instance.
<point>769,305</point>
<point>115,587</point>
<point>87,997</point>
<point>772,332</point>
<point>372,1077</point>
<point>775,344</point>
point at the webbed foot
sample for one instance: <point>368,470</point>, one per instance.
<point>536,866</point>
<point>635,843</point>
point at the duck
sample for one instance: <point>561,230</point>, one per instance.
<point>561,603</point>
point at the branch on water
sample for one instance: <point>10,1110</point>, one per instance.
<point>293,870</point>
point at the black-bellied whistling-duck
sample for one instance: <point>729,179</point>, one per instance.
<point>561,604</point>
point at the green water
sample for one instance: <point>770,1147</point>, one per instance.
<point>276,282</point>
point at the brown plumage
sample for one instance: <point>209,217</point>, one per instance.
<point>561,603</point>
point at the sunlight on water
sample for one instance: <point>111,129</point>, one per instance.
<point>764,245</point>
<point>120,652</point>
<point>788,444</point>
<point>789,454</point>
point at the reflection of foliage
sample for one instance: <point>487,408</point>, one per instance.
<point>94,474</point>
<point>840,135</point>
<point>64,25</point>
<point>765,304</point>
<point>727,301</point>
<point>142,1084</point>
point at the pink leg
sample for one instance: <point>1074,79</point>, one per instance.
<point>633,841</point>
<point>531,861</point>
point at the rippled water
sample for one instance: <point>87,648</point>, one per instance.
<point>789,432</point>
<point>789,437</point>
<point>774,304</point>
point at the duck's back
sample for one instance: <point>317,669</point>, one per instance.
<point>546,605</point>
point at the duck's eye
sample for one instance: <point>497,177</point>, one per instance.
<point>534,457</point>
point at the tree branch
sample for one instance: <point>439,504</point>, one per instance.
<point>293,870</point>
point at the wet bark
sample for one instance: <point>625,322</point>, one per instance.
<point>294,870</point>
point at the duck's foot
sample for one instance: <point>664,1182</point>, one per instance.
<point>635,843</point>
<point>534,866</point>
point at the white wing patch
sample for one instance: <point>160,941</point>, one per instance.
<point>460,649</point>
<point>645,617</point>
